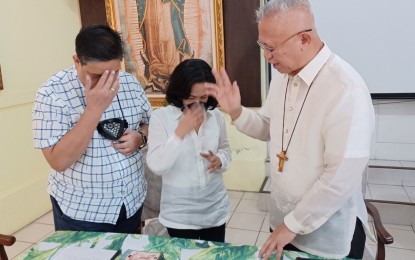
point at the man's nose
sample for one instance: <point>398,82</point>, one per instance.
<point>267,55</point>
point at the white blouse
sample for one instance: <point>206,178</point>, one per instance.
<point>318,195</point>
<point>192,197</point>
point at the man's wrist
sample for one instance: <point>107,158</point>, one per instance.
<point>144,140</point>
<point>235,115</point>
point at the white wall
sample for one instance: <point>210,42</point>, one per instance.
<point>375,36</point>
<point>394,137</point>
<point>247,171</point>
<point>36,40</point>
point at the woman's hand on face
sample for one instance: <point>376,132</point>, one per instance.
<point>191,119</point>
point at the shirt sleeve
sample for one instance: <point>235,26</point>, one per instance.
<point>253,124</point>
<point>347,136</point>
<point>49,120</point>
<point>162,148</point>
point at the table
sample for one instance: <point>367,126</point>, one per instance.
<point>172,248</point>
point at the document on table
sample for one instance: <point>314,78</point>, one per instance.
<point>85,253</point>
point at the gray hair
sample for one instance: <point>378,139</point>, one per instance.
<point>280,6</point>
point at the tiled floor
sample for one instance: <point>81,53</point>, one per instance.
<point>249,226</point>
<point>391,181</point>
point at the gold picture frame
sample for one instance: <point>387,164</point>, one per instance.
<point>158,34</point>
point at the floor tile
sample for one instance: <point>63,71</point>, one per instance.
<point>234,203</point>
<point>367,194</point>
<point>251,196</point>
<point>235,194</point>
<point>262,238</point>
<point>33,232</point>
<point>265,224</point>
<point>404,239</point>
<point>241,237</point>
<point>410,164</point>
<point>401,227</point>
<point>246,221</point>
<point>411,193</point>
<point>385,163</point>
<point>398,214</point>
<point>264,201</point>
<point>388,192</point>
<point>386,176</point>
<point>17,248</point>
<point>46,219</point>
<point>409,178</point>
<point>396,254</point>
<point>249,206</point>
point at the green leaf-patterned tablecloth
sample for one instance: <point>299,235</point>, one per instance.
<point>172,248</point>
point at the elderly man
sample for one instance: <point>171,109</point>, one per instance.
<point>319,119</point>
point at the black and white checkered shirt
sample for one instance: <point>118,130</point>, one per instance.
<point>94,187</point>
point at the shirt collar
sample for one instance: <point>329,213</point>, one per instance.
<point>310,71</point>
<point>176,112</point>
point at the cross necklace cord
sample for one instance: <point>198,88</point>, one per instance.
<point>282,155</point>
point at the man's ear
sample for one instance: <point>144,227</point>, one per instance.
<point>76,60</point>
<point>305,38</point>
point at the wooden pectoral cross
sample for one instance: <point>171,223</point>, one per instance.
<point>282,158</point>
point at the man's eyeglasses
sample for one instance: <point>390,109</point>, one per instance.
<point>271,49</point>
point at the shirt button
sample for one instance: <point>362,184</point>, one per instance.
<point>291,108</point>
<point>286,130</point>
<point>295,84</point>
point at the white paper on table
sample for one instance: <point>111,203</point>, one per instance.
<point>85,253</point>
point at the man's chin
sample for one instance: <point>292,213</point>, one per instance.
<point>277,67</point>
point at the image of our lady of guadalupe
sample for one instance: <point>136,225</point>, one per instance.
<point>171,31</point>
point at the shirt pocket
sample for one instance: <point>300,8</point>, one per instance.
<point>210,139</point>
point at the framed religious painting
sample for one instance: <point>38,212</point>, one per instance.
<point>159,34</point>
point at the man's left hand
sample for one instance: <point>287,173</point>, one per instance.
<point>278,239</point>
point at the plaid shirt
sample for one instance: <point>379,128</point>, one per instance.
<point>94,187</point>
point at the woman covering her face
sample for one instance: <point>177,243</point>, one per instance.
<point>188,146</point>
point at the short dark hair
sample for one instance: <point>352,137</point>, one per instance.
<point>184,76</point>
<point>98,43</point>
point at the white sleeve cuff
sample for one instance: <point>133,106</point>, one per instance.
<point>225,163</point>
<point>294,225</point>
<point>242,119</point>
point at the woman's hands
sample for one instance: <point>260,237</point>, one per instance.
<point>191,120</point>
<point>215,162</point>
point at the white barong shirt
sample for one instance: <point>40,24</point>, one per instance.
<point>191,196</point>
<point>319,193</point>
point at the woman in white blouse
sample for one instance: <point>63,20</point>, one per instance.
<point>188,146</point>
